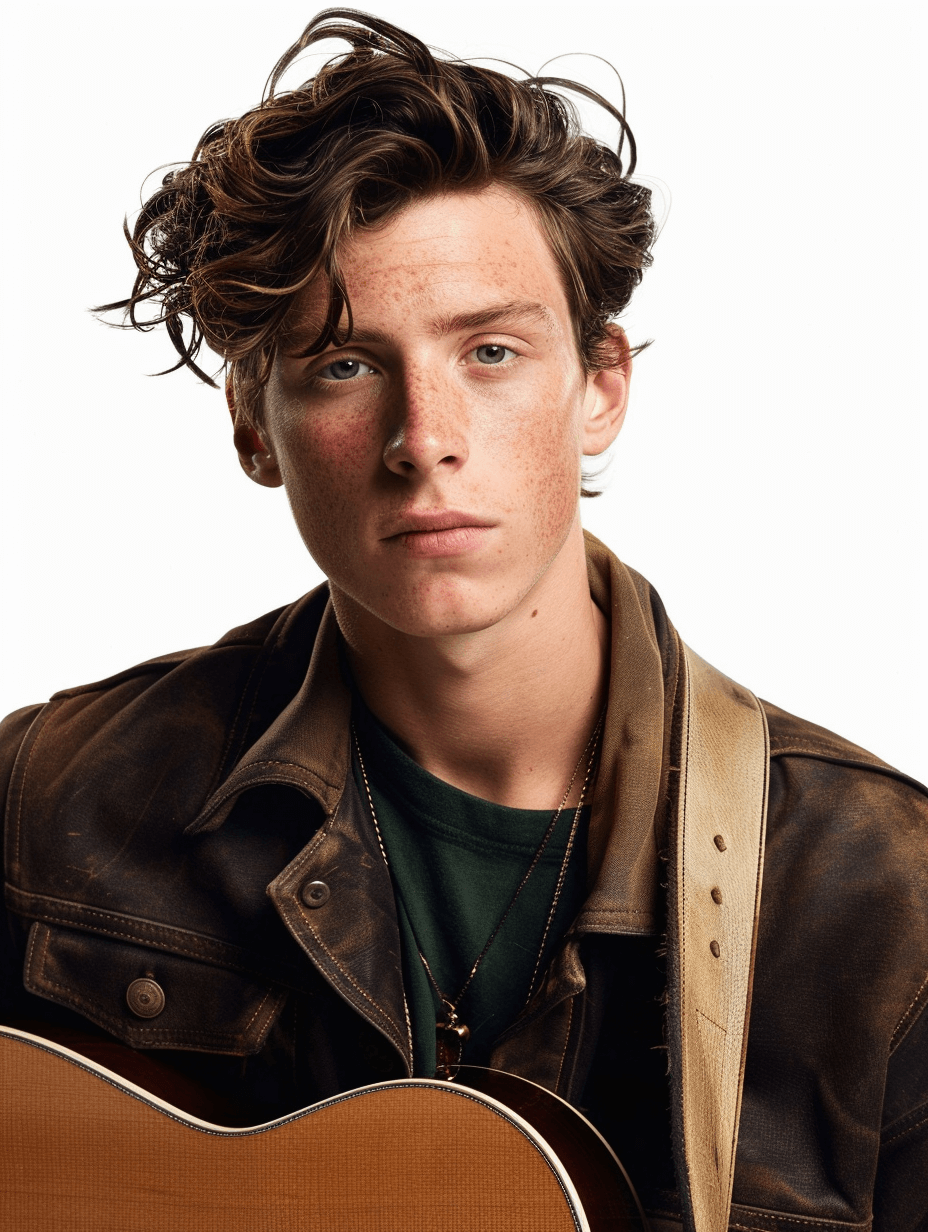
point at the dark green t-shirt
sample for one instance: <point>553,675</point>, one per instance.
<point>456,861</point>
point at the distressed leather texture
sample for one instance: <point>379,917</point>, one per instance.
<point>161,824</point>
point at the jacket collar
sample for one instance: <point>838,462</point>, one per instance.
<point>628,800</point>
<point>308,745</point>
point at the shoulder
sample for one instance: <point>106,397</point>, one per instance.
<point>791,736</point>
<point>827,788</point>
<point>847,858</point>
<point>188,702</point>
<point>824,775</point>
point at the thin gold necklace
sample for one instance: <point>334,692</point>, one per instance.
<point>450,1033</point>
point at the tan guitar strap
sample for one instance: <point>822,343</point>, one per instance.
<point>715,900</point>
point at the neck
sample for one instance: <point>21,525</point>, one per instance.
<point>504,713</point>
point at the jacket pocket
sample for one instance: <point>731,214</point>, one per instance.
<point>148,998</point>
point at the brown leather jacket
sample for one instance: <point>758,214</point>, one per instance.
<point>164,822</point>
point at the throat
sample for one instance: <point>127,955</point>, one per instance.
<point>503,712</point>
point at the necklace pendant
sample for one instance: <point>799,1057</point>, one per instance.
<point>449,1043</point>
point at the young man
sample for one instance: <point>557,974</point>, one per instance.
<point>422,812</point>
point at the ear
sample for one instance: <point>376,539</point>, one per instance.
<point>256,459</point>
<point>607,397</point>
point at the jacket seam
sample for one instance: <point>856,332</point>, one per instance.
<point>826,752</point>
<point>908,1129</point>
<point>77,1000</point>
<point>296,766</point>
<point>560,1067</point>
<point>234,726</point>
<point>813,1223</point>
<point>127,936</point>
<point>259,1008</point>
<point>825,747</point>
<point>167,947</point>
<point>165,664</point>
<point>769,1214</point>
<point>894,1042</point>
<point>348,976</point>
<point>22,790</point>
<point>306,776</point>
<point>261,664</point>
<point>809,1220</point>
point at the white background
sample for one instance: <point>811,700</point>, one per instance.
<point>769,480</point>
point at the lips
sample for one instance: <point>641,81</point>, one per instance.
<point>431,521</point>
<point>439,532</point>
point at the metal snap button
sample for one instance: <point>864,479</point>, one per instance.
<point>315,893</point>
<point>145,998</point>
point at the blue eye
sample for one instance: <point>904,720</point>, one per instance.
<point>344,370</point>
<point>492,353</point>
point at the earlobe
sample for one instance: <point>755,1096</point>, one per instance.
<point>255,457</point>
<point>607,397</point>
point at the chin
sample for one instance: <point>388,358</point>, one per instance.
<point>451,625</point>
<point>442,619</point>
<point>446,609</point>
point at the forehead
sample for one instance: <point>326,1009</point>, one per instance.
<point>444,256</point>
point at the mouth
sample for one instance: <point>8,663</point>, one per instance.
<point>431,521</point>
<point>447,532</point>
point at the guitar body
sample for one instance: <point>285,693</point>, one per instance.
<point>85,1150</point>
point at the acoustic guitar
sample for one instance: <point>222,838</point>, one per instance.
<point>85,1149</point>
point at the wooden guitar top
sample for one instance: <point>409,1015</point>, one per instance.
<point>84,1150</point>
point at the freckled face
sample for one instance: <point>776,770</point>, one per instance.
<point>433,463</point>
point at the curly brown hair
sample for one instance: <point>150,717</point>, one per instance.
<point>231,239</point>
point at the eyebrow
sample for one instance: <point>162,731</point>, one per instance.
<point>521,310</point>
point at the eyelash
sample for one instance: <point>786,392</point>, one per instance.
<point>350,359</point>
<point>343,359</point>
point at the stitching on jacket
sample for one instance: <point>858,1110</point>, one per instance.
<point>570,1018</point>
<point>233,728</point>
<point>75,998</point>
<point>745,1227</point>
<point>813,1223</point>
<point>175,948</point>
<point>908,1129</point>
<point>263,660</point>
<point>846,754</point>
<point>305,774</point>
<point>22,790</point>
<point>594,911</point>
<point>839,757</point>
<point>908,1011</point>
<point>408,1025</point>
<point>258,1010</point>
<point>855,759</point>
<point>30,951</point>
<point>264,781</point>
<point>353,981</point>
<point>809,1223</point>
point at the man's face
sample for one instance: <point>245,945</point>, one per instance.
<point>433,462</point>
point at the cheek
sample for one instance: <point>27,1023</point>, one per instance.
<point>326,466</point>
<point>544,446</point>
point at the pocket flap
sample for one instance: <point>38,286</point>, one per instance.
<point>149,998</point>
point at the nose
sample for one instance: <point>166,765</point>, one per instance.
<point>429,429</point>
